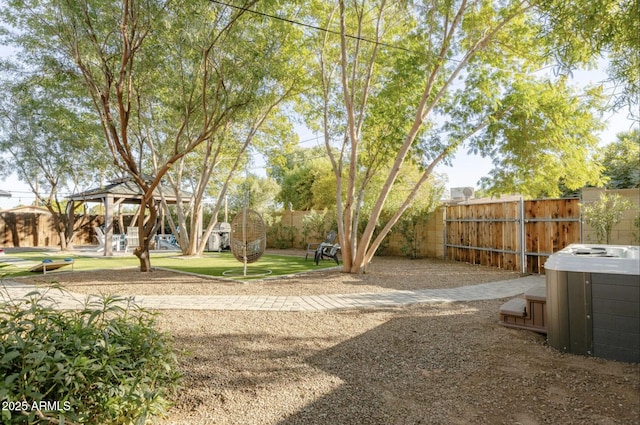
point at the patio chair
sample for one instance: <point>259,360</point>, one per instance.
<point>326,251</point>
<point>100,237</point>
<point>313,247</point>
<point>132,238</point>
<point>167,241</point>
<point>115,240</point>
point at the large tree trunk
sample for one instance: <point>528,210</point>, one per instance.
<point>66,243</point>
<point>142,252</point>
<point>64,223</point>
<point>146,229</point>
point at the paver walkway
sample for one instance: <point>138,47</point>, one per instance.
<point>484,291</point>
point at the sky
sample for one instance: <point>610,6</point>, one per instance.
<point>466,170</point>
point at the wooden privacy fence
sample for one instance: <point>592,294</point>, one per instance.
<point>514,235</point>
<point>37,229</point>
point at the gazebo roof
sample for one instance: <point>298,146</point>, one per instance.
<point>128,191</point>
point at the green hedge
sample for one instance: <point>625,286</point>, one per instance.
<point>104,364</point>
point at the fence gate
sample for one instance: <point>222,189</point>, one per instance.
<point>513,235</point>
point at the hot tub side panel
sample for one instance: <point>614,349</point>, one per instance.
<point>557,314</point>
<point>579,296</point>
<point>616,316</point>
<point>569,312</point>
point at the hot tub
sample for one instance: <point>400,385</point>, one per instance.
<point>593,301</point>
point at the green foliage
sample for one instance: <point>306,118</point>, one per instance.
<point>314,227</point>
<point>279,235</point>
<point>418,214</point>
<point>259,192</point>
<point>621,161</point>
<point>324,186</point>
<point>604,214</point>
<point>296,188</point>
<point>50,142</point>
<point>305,177</point>
<point>103,364</point>
<point>543,142</point>
<point>408,228</point>
<point>578,31</point>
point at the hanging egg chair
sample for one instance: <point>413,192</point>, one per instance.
<point>248,238</point>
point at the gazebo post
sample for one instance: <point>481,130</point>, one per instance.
<point>108,226</point>
<point>117,192</point>
<point>161,219</point>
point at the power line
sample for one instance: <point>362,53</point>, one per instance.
<point>314,27</point>
<point>312,139</point>
<point>330,31</point>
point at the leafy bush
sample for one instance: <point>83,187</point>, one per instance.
<point>604,214</point>
<point>313,227</point>
<point>408,228</point>
<point>103,364</point>
<point>279,235</point>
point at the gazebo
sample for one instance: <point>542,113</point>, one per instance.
<point>122,191</point>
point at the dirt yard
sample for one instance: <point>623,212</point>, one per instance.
<point>422,364</point>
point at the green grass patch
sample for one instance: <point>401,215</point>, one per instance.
<point>80,263</point>
<point>210,264</point>
<point>219,263</point>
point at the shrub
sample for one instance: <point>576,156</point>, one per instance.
<point>313,227</point>
<point>103,364</point>
<point>604,214</point>
<point>408,228</point>
<point>279,236</point>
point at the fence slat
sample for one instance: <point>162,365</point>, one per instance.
<point>488,234</point>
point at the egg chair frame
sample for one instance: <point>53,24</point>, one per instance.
<point>248,237</point>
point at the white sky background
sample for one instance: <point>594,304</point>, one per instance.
<point>466,170</point>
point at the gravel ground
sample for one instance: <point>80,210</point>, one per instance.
<point>426,364</point>
<point>435,364</point>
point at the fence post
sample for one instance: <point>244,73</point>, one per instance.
<point>580,218</point>
<point>523,241</point>
<point>444,241</point>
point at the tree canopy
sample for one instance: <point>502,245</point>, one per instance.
<point>187,91</point>
<point>412,82</point>
<point>580,32</point>
<point>621,161</point>
<point>545,143</point>
<point>52,140</point>
<point>166,80</point>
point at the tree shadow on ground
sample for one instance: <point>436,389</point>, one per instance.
<point>389,374</point>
